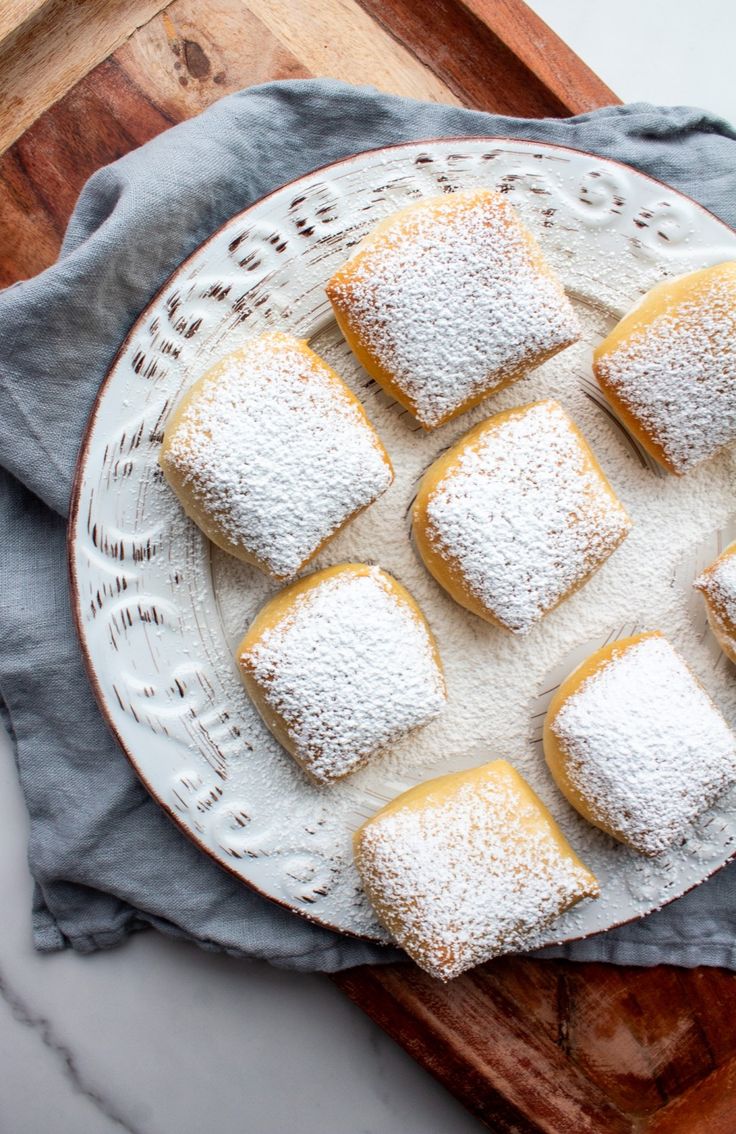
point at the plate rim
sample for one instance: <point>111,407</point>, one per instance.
<point>83,457</point>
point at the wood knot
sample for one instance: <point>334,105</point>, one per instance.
<point>197,63</point>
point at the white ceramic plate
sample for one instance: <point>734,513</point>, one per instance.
<point>160,610</point>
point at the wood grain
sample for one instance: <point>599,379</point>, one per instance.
<point>708,1108</point>
<point>494,55</point>
<point>339,39</point>
<point>15,13</point>
<point>169,70</point>
<point>553,1047</point>
<point>181,65</point>
<point>54,46</point>
<point>531,1047</point>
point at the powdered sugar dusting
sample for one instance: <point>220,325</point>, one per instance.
<point>293,828</point>
<point>465,876</point>
<point>351,669</point>
<point>453,305</point>
<point>719,583</point>
<point>678,375</point>
<point>646,746</point>
<point>718,586</point>
<point>524,515</point>
<point>277,453</point>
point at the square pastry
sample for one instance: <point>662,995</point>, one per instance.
<point>717,584</point>
<point>341,665</point>
<point>467,866</point>
<point>449,300</point>
<point>669,368</point>
<point>636,745</point>
<point>271,454</point>
<point>517,515</point>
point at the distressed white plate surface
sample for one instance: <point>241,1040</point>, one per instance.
<point>160,610</point>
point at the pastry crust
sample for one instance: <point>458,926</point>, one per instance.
<point>668,369</point>
<point>636,745</point>
<point>467,866</point>
<point>271,454</point>
<point>517,516</point>
<point>448,300</point>
<point>717,584</point>
<point>340,665</point>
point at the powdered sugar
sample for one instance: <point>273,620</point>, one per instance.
<point>646,747</point>
<point>453,305</point>
<point>524,515</point>
<point>605,261</point>
<point>718,586</point>
<point>351,669</point>
<point>677,376</point>
<point>719,583</point>
<point>277,454</point>
<point>492,675</point>
<point>469,875</point>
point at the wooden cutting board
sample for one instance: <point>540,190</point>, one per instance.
<point>531,1047</point>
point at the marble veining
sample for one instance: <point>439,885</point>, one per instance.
<point>46,1032</point>
<point>157,1037</point>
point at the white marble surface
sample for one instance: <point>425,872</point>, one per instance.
<point>156,1037</point>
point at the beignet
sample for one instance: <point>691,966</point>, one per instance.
<point>517,515</point>
<point>340,665</point>
<point>718,587</point>
<point>271,454</point>
<point>449,300</point>
<point>669,368</point>
<point>467,866</point>
<point>636,745</point>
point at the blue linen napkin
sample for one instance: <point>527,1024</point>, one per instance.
<point>105,859</point>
